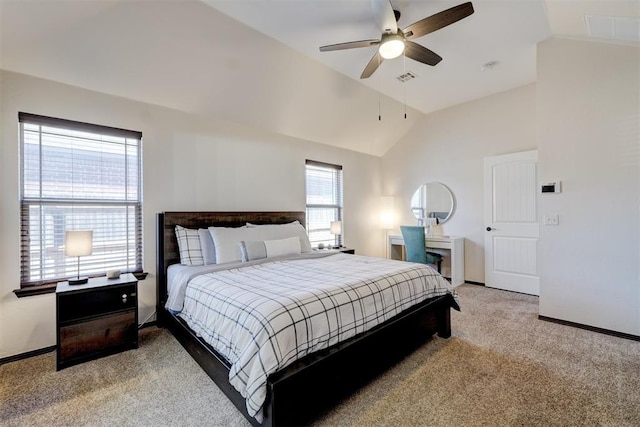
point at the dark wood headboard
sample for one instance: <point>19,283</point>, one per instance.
<point>167,252</point>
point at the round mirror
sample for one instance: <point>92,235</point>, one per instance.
<point>432,200</point>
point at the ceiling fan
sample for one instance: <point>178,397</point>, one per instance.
<point>394,41</point>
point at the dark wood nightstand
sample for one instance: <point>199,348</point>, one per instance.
<point>347,250</point>
<point>342,249</point>
<point>96,319</point>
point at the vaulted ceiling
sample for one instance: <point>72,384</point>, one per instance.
<point>257,62</point>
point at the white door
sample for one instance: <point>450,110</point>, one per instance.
<point>511,221</point>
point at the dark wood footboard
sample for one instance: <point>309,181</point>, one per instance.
<point>303,390</point>
<point>300,392</point>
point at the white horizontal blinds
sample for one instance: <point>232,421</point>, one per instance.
<point>77,176</point>
<point>324,201</point>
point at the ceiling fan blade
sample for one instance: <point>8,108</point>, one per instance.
<point>384,16</point>
<point>437,21</point>
<point>372,66</point>
<point>420,53</point>
<point>349,45</point>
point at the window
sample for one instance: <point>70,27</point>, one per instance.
<point>324,201</point>
<point>78,176</point>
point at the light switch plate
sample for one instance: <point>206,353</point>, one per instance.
<point>551,219</point>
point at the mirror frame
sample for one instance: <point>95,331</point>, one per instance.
<point>439,185</point>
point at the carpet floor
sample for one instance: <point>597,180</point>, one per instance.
<point>502,367</point>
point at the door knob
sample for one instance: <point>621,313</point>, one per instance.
<point>489,228</point>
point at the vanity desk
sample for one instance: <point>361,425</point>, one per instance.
<point>455,246</point>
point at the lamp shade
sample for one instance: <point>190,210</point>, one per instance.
<point>78,243</point>
<point>386,212</point>
<point>336,227</point>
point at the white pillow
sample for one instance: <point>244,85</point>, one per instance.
<point>280,247</point>
<point>282,231</point>
<point>250,224</point>
<point>189,246</point>
<point>226,239</point>
<point>269,248</point>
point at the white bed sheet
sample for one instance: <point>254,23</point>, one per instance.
<point>179,275</point>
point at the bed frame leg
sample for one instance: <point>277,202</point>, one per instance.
<point>444,323</point>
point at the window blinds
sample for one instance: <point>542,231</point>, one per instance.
<point>78,176</point>
<point>324,201</point>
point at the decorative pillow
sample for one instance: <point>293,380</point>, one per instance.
<point>252,250</point>
<point>206,244</point>
<point>189,246</point>
<point>281,231</point>
<point>288,246</point>
<point>269,248</point>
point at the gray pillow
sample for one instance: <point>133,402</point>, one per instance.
<point>252,250</point>
<point>207,246</point>
<point>269,248</point>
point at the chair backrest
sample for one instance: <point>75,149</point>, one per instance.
<point>414,243</point>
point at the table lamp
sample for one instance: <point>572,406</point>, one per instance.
<point>336,229</point>
<point>78,243</point>
<point>386,212</point>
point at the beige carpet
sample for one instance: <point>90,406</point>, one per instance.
<point>502,367</point>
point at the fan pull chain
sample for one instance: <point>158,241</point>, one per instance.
<point>379,95</point>
<point>404,71</point>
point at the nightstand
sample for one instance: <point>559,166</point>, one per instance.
<point>96,319</point>
<point>333,250</point>
<point>347,250</point>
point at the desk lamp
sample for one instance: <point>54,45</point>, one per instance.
<point>336,229</point>
<point>78,243</point>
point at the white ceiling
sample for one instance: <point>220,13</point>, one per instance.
<point>196,57</point>
<point>504,31</point>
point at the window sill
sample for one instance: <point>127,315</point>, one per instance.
<point>28,291</point>
<point>50,288</point>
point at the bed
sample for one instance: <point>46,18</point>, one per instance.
<point>298,392</point>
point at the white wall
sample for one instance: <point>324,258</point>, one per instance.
<point>585,108</point>
<point>449,146</point>
<point>588,123</point>
<point>583,117</point>
<point>190,163</point>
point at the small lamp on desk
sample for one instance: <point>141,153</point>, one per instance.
<point>78,243</point>
<point>386,212</point>
<point>386,218</point>
<point>336,229</point>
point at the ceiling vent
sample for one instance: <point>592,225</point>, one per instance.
<point>613,28</point>
<point>406,77</point>
<point>489,66</point>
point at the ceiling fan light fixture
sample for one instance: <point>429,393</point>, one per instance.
<point>394,41</point>
<point>391,47</point>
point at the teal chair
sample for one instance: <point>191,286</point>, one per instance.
<point>415,246</point>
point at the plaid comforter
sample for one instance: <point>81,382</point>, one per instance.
<point>263,317</point>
